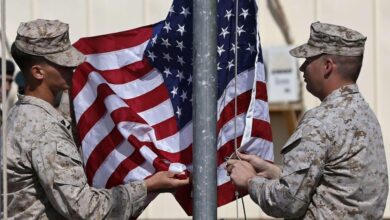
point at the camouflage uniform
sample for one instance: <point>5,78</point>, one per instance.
<point>334,164</point>
<point>46,178</point>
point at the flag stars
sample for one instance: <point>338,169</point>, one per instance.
<point>151,56</point>
<point>167,27</point>
<point>220,50</point>
<point>178,112</point>
<point>240,29</point>
<point>224,32</point>
<point>251,48</point>
<point>180,60</point>
<point>183,96</point>
<point>167,72</point>
<point>167,57</point>
<point>234,47</point>
<point>185,11</point>
<point>154,40</point>
<point>180,75</point>
<point>228,14</point>
<point>230,65</point>
<point>165,42</point>
<point>244,13</point>
<point>189,80</point>
<point>180,45</point>
<point>218,67</point>
<point>181,29</point>
<point>174,91</point>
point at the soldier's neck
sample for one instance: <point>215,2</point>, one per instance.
<point>41,93</point>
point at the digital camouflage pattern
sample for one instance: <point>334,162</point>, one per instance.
<point>334,165</point>
<point>331,39</point>
<point>46,179</point>
<point>50,39</point>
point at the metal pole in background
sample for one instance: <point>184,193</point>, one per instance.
<point>4,109</point>
<point>205,110</point>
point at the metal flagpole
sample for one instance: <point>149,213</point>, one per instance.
<point>4,108</point>
<point>205,109</point>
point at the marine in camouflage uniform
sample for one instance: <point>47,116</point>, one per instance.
<point>334,164</point>
<point>46,179</point>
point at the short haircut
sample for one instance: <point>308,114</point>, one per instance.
<point>348,66</point>
<point>10,66</point>
<point>24,60</point>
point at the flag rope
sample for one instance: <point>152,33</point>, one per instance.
<point>235,104</point>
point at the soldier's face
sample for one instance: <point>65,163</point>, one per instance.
<point>8,82</point>
<point>312,76</point>
<point>58,78</point>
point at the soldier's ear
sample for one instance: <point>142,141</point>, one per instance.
<point>37,72</point>
<point>328,67</point>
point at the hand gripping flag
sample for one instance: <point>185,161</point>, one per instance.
<point>133,99</point>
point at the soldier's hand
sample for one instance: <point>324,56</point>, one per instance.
<point>240,172</point>
<point>164,181</point>
<point>262,167</point>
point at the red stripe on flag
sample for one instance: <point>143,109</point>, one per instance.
<point>166,128</point>
<point>262,129</point>
<point>114,41</point>
<point>228,113</point>
<point>227,150</point>
<point>126,114</point>
<point>184,156</point>
<point>149,100</point>
<point>100,153</point>
<point>80,77</point>
<point>261,91</point>
<point>94,112</point>
<point>225,193</point>
<point>127,73</point>
<point>131,162</point>
<point>123,75</point>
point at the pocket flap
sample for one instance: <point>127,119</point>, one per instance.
<point>296,136</point>
<point>65,148</point>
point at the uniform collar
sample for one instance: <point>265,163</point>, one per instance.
<point>31,100</point>
<point>340,92</point>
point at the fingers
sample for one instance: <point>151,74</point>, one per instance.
<point>170,174</point>
<point>237,164</point>
<point>231,162</point>
<point>246,157</point>
<point>240,172</point>
<point>181,182</point>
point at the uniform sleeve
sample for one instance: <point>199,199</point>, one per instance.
<point>303,164</point>
<point>58,166</point>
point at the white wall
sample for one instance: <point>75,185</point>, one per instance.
<point>93,17</point>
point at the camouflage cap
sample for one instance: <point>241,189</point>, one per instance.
<point>49,39</point>
<point>331,39</point>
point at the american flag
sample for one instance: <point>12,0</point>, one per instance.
<point>133,99</point>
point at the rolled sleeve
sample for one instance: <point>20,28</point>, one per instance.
<point>304,158</point>
<point>59,168</point>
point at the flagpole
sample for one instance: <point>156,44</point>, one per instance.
<point>4,111</point>
<point>205,110</point>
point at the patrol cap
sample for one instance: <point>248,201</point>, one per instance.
<point>49,39</point>
<point>331,39</point>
